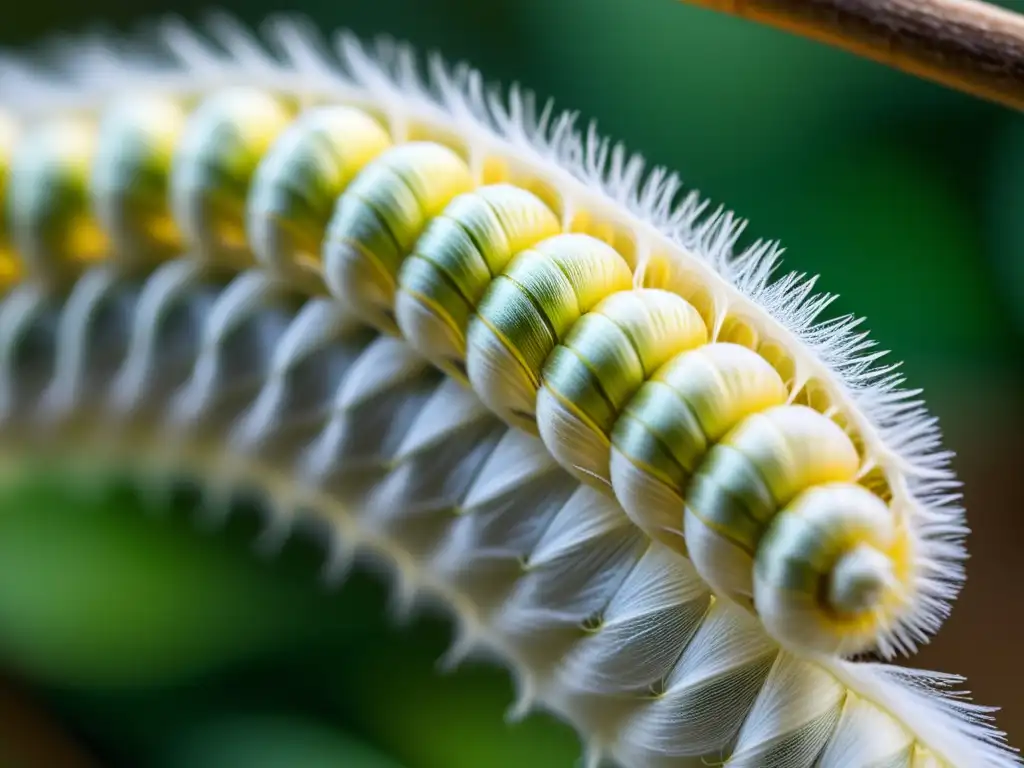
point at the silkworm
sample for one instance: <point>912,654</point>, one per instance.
<point>489,349</point>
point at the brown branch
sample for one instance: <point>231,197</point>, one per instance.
<point>967,45</point>
<point>31,738</point>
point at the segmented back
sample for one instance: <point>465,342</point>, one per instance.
<point>647,482</point>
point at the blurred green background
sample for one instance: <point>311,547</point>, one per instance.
<point>908,199</point>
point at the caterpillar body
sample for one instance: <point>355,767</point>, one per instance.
<point>486,347</point>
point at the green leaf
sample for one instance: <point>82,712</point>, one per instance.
<point>96,593</point>
<point>268,741</point>
<point>391,690</point>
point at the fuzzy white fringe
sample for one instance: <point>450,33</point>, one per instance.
<point>595,175</point>
<point>606,180</point>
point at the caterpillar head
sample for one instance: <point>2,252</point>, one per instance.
<point>774,519</point>
<point>832,571</point>
<point>704,450</point>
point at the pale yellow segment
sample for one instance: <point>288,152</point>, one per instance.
<point>53,226</point>
<point>131,176</point>
<point>214,164</point>
<point>298,182</point>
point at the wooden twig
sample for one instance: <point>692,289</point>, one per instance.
<point>967,45</point>
<point>29,736</point>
